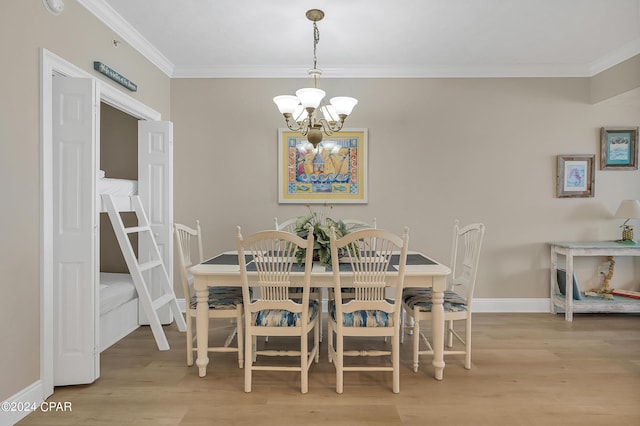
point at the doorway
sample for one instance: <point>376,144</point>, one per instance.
<point>52,65</point>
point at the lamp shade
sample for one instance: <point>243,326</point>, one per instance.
<point>628,209</point>
<point>343,104</point>
<point>310,97</point>
<point>286,103</point>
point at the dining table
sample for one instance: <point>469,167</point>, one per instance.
<point>421,271</point>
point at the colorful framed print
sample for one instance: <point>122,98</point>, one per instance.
<point>575,176</point>
<point>619,148</point>
<point>334,172</point>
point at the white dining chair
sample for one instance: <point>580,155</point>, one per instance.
<point>224,302</point>
<point>272,310</point>
<point>366,313</point>
<point>458,298</point>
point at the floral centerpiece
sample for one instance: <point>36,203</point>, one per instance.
<point>321,224</point>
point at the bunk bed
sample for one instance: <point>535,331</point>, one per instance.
<point>118,296</point>
<point>121,189</point>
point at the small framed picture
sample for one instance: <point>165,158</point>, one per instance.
<point>575,176</point>
<point>619,148</point>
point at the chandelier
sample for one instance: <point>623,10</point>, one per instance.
<point>306,112</point>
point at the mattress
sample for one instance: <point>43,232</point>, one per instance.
<point>115,290</point>
<point>117,187</point>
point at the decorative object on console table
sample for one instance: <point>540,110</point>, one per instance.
<point>561,275</point>
<point>626,293</point>
<point>575,176</point>
<point>628,209</point>
<point>619,148</point>
<point>605,289</point>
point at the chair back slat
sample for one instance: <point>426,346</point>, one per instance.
<point>369,252</point>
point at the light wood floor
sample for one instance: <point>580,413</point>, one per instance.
<point>528,369</point>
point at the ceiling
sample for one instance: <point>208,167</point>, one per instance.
<point>378,38</point>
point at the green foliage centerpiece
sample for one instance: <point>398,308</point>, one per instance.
<point>321,224</point>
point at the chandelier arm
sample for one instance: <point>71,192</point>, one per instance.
<point>291,123</point>
<point>329,128</point>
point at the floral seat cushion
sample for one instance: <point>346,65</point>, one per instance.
<point>221,298</point>
<point>362,318</point>
<point>283,318</point>
<point>421,299</point>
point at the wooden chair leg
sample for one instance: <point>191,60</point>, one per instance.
<point>304,359</point>
<point>339,363</point>
<point>189,340</point>
<point>467,343</point>
<point>248,361</point>
<point>316,343</point>
<point>255,348</point>
<point>395,354</point>
<point>240,337</point>
<point>330,346</point>
<point>403,318</point>
<point>416,343</point>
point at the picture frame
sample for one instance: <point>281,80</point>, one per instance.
<point>334,172</point>
<point>575,176</point>
<point>619,148</point>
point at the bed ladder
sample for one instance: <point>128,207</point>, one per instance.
<point>136,268</point>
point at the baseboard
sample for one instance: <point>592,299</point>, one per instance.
<point>514,305</point>
<point>21,404</point>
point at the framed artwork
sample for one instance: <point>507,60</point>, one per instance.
<point>575,176</point>
<point>619,148</point>
<point>334,172</point>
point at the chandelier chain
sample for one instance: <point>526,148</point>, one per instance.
<point>316,39</point>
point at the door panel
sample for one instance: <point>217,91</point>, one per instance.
<point>75,274</point>
<point>155,186</point>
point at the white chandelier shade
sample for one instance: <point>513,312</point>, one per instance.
<point>310,97</point>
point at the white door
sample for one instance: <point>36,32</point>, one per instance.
<point>155,186</point>
<point>75,254</point>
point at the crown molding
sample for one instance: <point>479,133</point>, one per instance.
<point>626,51</point>
<point>112,19</point>
<point>507,71</point>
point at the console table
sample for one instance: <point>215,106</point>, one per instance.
<point>569,249</point>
